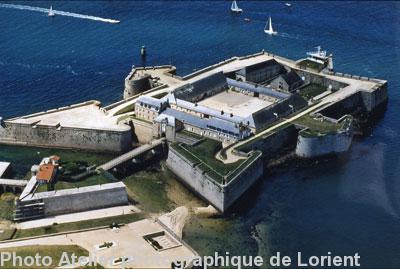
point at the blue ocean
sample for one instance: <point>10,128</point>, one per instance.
<point>343,205</point>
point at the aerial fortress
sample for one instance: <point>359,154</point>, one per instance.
<point>221,123</point>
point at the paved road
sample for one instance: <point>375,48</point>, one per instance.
<point>73,217</point>
<point>129,242</point>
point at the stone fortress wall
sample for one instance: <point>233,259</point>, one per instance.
<point>79,199</point>
<point>221,196</point>
<point>43,134</point>
<point>136,84</point>
<point>315,145</point>
<point>67,137</point>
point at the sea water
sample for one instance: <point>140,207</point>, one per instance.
<point>344,205</point>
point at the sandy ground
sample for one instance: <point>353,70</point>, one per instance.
<point>236,103</point>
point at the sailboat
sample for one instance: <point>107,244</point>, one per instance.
<point>235,8</point>
<point>51,12</point>
<point>268,28</point>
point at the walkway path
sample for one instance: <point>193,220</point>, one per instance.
<point>130,154</point>
<point>73,217</point>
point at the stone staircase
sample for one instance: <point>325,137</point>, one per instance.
<point>28,210</point>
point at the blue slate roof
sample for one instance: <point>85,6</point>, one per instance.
<point>291,77</point>
<point>150,101</point>
<point>257,66</point>
<point>213,124</point>
<point>201,86</point>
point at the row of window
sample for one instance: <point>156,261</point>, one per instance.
<point>212,134</point>
<point>157,108</point>
<point>222,131</point>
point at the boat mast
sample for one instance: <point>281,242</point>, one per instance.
<point>270,25</point>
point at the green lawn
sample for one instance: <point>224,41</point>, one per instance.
<point>72,226</point>
<point>190,134</point>
<point>312,90</point>
<point>55,252</point>
<point>7,206</point>
<point>149,189</point>
<point>203,154</point>
<point>317,125</point>
<point>89,181</point>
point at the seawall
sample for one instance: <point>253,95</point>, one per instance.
<point>319,145</point>
<point>81,199</point>
<point>368,101</point>
<point>65,137</point>
<point>311,144</point>
<point>221,196</point>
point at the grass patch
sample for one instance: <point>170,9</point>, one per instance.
<point>312,90</point>
<point>7,206</point>
<point>190,134</point>
<point>7,234</point>
<point>318,125</point>
<point>61,184</point>
<point>72,226</point>
<point>149,188</point>
<point>321,126</point>
<point>203,154</point>
<point>55,252</point>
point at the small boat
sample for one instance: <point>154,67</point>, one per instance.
<point>235,8</point>
<point>268,28</point>
<point>318,56</point>
<point>51,12</point>
<point>247,19</point>
<point>288,4</point>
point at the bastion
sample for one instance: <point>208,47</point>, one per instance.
<point>80,126</point>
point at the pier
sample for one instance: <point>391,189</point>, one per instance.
<point>130,155</point>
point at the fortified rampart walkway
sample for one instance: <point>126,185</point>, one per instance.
<point>233,64</point>
<point>130,155</point>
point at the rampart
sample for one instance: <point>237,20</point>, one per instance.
<point>65,137</point>
<point>80,199</point>
<point>222,196</point>
<point>311,144</point>
<point>80,126</point>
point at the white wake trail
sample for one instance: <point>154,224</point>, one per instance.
<point>58,12</point>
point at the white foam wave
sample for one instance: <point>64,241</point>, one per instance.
<point>59,12</point>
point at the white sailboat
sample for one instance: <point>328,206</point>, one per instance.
<point>235,8</point>
<point>268,28</point>
<point>51,12</point>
